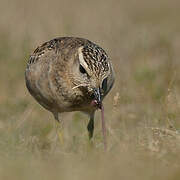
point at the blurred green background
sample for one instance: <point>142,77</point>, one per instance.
<point>142,112</point>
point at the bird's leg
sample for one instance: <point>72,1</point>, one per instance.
<point>59,128</point>
<point>90,126</point>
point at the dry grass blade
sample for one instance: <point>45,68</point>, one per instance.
<point>24,117</point>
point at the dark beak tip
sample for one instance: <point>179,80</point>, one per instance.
<point>99,105</point>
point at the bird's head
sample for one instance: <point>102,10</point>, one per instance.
<point>93,73</point>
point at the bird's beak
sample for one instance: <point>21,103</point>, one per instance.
<point>97,96</point>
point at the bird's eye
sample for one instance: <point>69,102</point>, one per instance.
<point>104,85</point>
<point>82,70</point>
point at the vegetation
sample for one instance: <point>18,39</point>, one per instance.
<point>142,112</point>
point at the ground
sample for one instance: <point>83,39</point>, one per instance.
<point>141,112</point>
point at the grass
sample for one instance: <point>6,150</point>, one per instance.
<point>141,112</point>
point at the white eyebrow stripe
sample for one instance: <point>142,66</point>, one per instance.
<point>83,62</point>
<point>81,59</point>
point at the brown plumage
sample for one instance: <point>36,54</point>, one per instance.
<point>70,74</point>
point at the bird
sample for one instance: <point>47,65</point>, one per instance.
<point>69,74</point>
